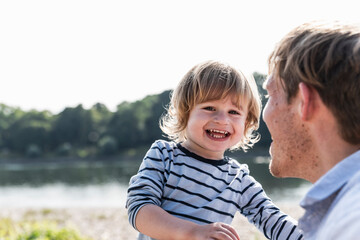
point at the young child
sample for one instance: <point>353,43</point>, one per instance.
<point>187,188</point>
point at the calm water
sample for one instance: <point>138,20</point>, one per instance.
<point>104,184</point>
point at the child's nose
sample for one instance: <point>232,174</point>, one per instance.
<point>221,117</point>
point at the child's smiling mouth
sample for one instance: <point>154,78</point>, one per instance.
<point>218,134</point>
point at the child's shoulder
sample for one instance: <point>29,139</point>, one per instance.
<point>166,149</point>
<point>240,166</point>
<point>164,144</point>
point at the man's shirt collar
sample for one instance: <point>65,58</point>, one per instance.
<point>333,180</point>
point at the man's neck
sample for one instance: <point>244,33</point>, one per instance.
<point>330,153</point>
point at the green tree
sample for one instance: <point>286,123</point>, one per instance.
<point>263,130</point>
<point>157,109</point>
<point>8,115</point>
<point>123,126</point>
<point>33,151</point>
<point>137,123</point>
<point>31,128</point>
<point>260,79</point>
<point>107,146</point>
<point>100,116</point>
<point>73,125</point>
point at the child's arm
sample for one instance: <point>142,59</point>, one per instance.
<point>145,196</point>
<point>265,215</point>
<point>155,222</point>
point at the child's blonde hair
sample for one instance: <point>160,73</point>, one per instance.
<point>208,81</point>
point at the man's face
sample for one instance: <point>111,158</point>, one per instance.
<point>289,136</point>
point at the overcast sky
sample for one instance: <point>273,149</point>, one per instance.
<point>57,54</point>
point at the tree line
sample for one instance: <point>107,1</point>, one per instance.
<point>94,132</point>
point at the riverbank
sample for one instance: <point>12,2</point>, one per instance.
<point>112,223</point>
<point>131,154</point>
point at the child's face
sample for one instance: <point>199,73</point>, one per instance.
<point>214,127</point>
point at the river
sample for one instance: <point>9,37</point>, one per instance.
<point>104,183</point>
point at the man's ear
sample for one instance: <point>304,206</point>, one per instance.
<point>306,101</point>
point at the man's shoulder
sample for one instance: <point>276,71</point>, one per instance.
<point>351,189</point>
<point>343,217</point>
<point>349,195</point>
<point>348,198</point>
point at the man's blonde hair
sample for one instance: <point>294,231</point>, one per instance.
<point>325,56</point>
<point>208,81</point>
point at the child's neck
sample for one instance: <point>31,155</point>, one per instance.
<point>202,152</point>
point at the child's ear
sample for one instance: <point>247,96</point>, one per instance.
<point>306,101</point>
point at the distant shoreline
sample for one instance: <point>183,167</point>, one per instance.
<point>123,156</point>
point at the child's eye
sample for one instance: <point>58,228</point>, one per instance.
<point>234,112</point>
<point>209,108</point>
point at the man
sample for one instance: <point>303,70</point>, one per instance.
<point>313,115</point>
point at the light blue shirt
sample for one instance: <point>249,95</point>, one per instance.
<point>332,205</point>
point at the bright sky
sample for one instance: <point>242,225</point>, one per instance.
<point>57,54</point>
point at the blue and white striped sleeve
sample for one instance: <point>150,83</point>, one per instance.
<point>258,208</point>
<point>146,187</point>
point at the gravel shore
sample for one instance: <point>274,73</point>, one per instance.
<point>112,223</point>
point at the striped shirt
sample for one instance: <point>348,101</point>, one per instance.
<point>204,191</point>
